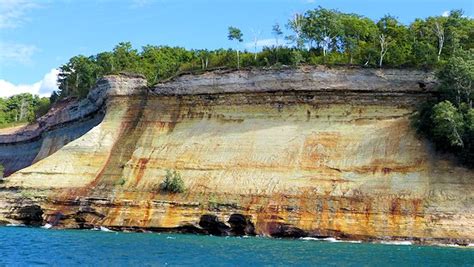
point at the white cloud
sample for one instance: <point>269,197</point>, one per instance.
<point>261,43</point>
<point>42,88</point>
<point>17,53</point>
<point>13,12</point>
<point>446,13</point>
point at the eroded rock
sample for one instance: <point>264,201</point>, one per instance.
<point>213,226</point>
<point>241,225</point>
<point>284,230</point>
<point>31,215</point>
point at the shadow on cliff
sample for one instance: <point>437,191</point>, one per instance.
<point>15,156</point>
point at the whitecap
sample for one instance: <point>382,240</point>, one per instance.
<point>15,225</point>
<point>105,229</point>
<point>330,239</point>
<point>310,238</point>
<point>400,243</point>
<point>46,226</point>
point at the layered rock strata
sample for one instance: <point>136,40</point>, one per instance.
<point>287,153</point>
<point>66,121</point>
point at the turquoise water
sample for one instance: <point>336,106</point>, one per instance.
<point>33,246</point>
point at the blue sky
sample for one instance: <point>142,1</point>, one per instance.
<point>37,36</point>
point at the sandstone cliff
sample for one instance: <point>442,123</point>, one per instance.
<point>305,152</point>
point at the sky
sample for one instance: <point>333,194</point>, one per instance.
<point>38,36</point>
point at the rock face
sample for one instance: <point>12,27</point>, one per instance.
<point>65,122</point>
<point>287,153</point>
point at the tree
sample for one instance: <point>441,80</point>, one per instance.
<point>256,35</point>
<point>106,63</point>
<point>277,32</point>
<point>203,55</point>
<point>392,40</point>
<point>173,183</point>
<point>423,41</point>
<point>324,27</point>
<point>78,76</point>
<point>459,32</point>
<point>236,34</point>
<point>125,57</point>
<point>358,32</point>
<point>448,123</point>
<point>22,108</point>
<point>296,25</point>
<point>439,31</point>
<point>457,78</point>
<point>42,106</point>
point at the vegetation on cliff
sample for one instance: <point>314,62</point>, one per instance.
<point>22,108</point>
<point>449,121</point>
<point>173,183</point>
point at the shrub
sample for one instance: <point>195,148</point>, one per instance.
<point>173,183</point>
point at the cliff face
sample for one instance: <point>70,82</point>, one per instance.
<point>306,152</point>
<point>66,121</point>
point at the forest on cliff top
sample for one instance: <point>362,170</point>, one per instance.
<point>319,36</point>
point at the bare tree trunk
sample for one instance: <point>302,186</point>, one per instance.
<point>255,42</point>
<point>238,59</point>
<point>368,60</point>
<point>383,48</point>
<point>23,109</point>
<point>440,34</point>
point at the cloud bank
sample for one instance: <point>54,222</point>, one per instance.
<point>43,88</point>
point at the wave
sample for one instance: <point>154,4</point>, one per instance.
<point>15,225</point>
<point>398,243</point>
<point>46,226</point>
<point>330,239</point>
<point>470,245</point>
<point>102,229</point>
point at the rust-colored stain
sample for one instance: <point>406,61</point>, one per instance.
<point>141,170</point>
<point>395,207</point>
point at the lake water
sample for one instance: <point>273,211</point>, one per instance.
<point>34,246</point>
